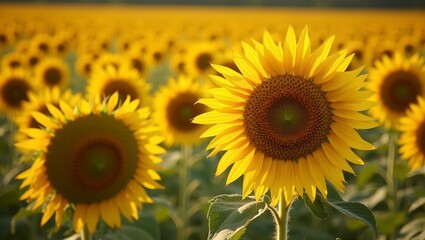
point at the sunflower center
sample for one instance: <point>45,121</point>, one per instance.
<point>91,158</point>
<point>287,117</point>
<point>52,76</point>
<point>97,164</point>
<point>203,61</point>
<point>14,92</point>
<point>123,88</point>
<point>182,109</point>
<point>137,64</point>
<point>400,89</point>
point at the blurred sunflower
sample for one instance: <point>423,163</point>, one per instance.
<point>60,44</point>
<point>199,58</point>
<point>138,62</point>
<point>108,59</point>
<point>125,81</point>
<point>33,57</point>
<point>397,81</point>
<point>412,139</point>
<point>97,158</point>
<point>178,63</point>
<point>51,72</point>
<point>37,101</point>
<point>287,122</point>
<point>41,42</point>
<point>174,108</point>
<point>13,60</point>
<point>84,65</point>
<point>14,89</point>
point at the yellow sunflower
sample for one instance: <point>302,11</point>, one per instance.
<point>397,81</point>
<point>287,121</point>
<point>125,81</point>
<point>13,60</point>
<point>14,89</point>
<point>37,101</point>
<point>199,58</point>
<point>84,65</point>
<point>51,72</point>
<point>412,139</point>
<point>97,158</point>
<point>174,108</point>
<point>41,42</point>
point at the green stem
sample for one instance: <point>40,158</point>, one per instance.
<point>183,194</point>
<point>281,217</point>
<point>391,181</point>
<point>85,234</point>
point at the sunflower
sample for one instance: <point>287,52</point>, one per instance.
<point>174,109</point>
<point>398,81</point>
<point>115,60</point>
<point>412,139</point>
<point>199,57</point>
<point>97,158</point>
<point>84,64</point>
<point>288,121</point>
<point>51,72</point>
<point>125,81</point>
<point>38,101</point>
<point>14,89</point>
<point>41,42</point>
<point>13,60</point>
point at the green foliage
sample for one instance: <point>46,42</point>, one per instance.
<point>229,215</point>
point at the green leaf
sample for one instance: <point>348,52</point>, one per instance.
<point>352,209</point>
<point>229,215</point>
<point>316,208</point>
<point>21,214</point>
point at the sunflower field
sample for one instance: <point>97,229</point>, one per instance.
<point>159,122</point>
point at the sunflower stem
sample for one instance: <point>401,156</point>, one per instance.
<point>85,234</point>
<point>281,217</point>
<point>183,194</point>
<point>391,181</point>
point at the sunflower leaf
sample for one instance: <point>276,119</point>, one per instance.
<point>229,215</point>
<point>316,208</point>
<point>352,209</point>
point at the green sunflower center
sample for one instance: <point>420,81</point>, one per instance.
<point>52,76</point>
<point>124,88</point>
<point>203,61</point>
<point>91,158</point>
<point>182,109</point>
<point>287,117</point>
<point>14,92</point>
<point>400,89</point>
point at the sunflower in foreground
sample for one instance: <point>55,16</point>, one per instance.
<point>97,158</point>
<point>287,121</point>
<point>397,81</point>
<point>174,109</point>
<point>412,139</point>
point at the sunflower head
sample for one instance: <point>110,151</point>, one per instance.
<point>412,139</point>
<point>52,72</point>
<point>97,158</point>
<point>14,89</point>
<point>397,81</point>
<point>125,81</point>
<point>287,121</point>
<point>174,109</point>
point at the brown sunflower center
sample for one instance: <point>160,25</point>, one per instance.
<point>420,138</point>
<point>91,158</point>
<point>15,91</point>
<point>399,89</point>
<point>287,117</point>
<point>52,76</point>
<point>137,64</point>
<point>123,87</point>
<point>182,109</point>
<point>203,61</point>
